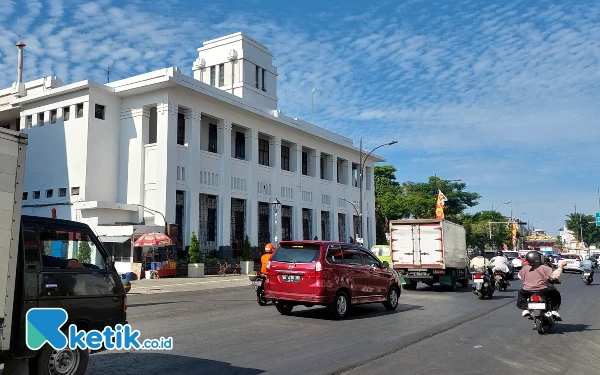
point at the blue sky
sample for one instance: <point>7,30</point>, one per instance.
<point>503,96</point>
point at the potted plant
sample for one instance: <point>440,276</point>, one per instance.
<point>247,263</point>
<point>196,264</point>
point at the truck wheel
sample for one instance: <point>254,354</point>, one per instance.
<point>50,361</point>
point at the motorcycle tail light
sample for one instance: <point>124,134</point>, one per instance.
<point>535,298</point>
<point>478,276</point>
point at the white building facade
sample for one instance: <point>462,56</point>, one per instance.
<point>210,153</point>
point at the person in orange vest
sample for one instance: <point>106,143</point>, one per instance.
<point>269,249</point>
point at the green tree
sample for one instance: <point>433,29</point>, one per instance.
<point>84,252</point>
<point>477,227</point>
<point>587,224</point>
<point>247,250</point>
<point>389,200</point>
<point>422,197</point>
<point>194,251</point>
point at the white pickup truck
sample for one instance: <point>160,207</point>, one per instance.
<point>430,251</point>
<point>35,254</point>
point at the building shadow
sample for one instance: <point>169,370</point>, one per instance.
<point>153,362</point>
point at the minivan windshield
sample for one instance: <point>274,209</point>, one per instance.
<point>297,254</point>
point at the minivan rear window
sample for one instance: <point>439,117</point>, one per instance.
<point>297,254</point>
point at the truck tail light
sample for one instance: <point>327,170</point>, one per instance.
<point>439,272</point>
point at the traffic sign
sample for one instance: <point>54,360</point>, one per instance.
<point>598,219</point>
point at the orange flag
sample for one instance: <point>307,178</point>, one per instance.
<point>439,205</point>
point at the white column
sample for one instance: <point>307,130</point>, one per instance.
<point>252,204</point>
<point>133,128</point>
<point>224,148</point>
<point>333,222</point>
<point>166,136</point>
<point>192,124</point>
<point>296,166</point>
<point>275,162</point>
<point>316,188</point>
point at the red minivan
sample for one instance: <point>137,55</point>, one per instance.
<point>332,274</point>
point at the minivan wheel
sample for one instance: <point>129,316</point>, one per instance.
<point>393,296</point>
<point>340,306</point>
<point>284,308</point>
<point>50,361</point>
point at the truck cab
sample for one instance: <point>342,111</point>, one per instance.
<point>93,295</point>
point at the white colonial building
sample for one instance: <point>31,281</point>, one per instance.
<point>211,153</point>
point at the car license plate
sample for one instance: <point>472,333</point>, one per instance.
<point>537,306</point>
<point>478,281</point>
<point>290,278</point>
<point>257,283</point>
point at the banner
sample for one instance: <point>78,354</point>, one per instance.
<point>439,205</point>
<point>514,235</point>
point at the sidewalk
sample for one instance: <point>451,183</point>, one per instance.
<point>182,284</point>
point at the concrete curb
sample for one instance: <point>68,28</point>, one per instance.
<point>139,287</point>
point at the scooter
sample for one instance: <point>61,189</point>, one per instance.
<point>587,277</point>
<point>541,308</point>
<point>501,282</point>
<point>258,282</point>
<point>482,285</point>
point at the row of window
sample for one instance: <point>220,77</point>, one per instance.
<point>99,113</point>
<point>62,192</point>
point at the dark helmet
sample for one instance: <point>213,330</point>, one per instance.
<point>479,253</point>
<point>499,253</point>
<point>534,258</point>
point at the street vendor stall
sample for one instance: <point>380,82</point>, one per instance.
<point>153,267</point>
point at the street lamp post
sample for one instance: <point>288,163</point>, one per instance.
<point>437,186</point>
<point>490,223</point>
<point>276,205</point>
<point>361,167</point>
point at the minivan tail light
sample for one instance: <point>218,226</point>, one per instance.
<point>318,274</point>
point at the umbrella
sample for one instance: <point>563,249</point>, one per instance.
<point>153,239</point>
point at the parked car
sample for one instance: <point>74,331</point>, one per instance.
<point>332,274</point>
<point>515,259</point>
<point>573,262</point>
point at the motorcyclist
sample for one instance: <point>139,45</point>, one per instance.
<point>535,276</point>
<point>587,265</point>
<point>500,263</point>
<point>479,262</point>
<point>269,249</point>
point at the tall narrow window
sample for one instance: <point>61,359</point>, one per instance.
<point>41,119</point>
<point>285,158</point>
<point>354,174</point>
<point>212,138</point>
<point>305,163</point>
<point>79,110</point>
<point>307,224</point>
<point>221,75</point>
<point>263,152</point>
<point>323,166</point>
<point>240,145</point>
<point>66,113</point>
<point>152,126</point>
<point>257,74</point>
<point>29,121</point>
<point>212,75</point>
<point>99,112</point>
<point>53,116</point>
<point>180,129</point>
<point>264,88</point>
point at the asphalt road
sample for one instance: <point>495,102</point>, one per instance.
<point>225,332</point>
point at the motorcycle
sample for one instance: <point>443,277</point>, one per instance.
<point>501,282</point>
<point>258,282</point>
<point>541,308</point>
<point>482,285</point>
<point>587,277</point>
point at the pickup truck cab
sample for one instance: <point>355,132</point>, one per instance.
<point>93,295</point>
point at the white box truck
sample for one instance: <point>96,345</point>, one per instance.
<point>429,251</point>
<point>93,295</point>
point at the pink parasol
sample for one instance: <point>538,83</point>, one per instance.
<point>153,239</point>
